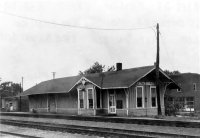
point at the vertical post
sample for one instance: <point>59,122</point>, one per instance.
<point>157,73</point>
<point>100,99</point>
<point>94,100</point>
<point>22,83</point>
<point>20,97</point>
<point>127,101</point>
<point>78,101</point>
<point>108,101</point>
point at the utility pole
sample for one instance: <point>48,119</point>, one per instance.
<point>21,90</point>
<point>54,73</point>
<point>157,72</point>
<point>20,97</point>
<point>22,83</point>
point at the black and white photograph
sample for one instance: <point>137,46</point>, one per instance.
<point>100,69</point>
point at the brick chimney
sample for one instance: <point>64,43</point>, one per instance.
<point>118,66</point>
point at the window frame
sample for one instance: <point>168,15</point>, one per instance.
<point>190,101</point>
<point>151,97</point>
<point>79,90</point>
<point>142,97</point>
<point>117,106</point>
<point>194,87</point>
<point>88,98</point>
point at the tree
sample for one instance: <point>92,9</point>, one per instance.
<point>172,72</point>
<point>10,87</point>
<point>96,68</point>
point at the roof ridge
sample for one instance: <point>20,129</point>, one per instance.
<point>187,73</point>
<point>117,71</point>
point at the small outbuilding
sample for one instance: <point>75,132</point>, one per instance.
<point>13,103</point>
<point>128,92</point>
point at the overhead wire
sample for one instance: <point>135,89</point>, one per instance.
<point>76,26</point>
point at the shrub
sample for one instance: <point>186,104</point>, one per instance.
<point>172,108</point>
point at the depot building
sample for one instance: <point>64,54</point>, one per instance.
<point>128,92</point>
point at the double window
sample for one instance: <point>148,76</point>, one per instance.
<point>139,97</point>
<point>82,95</point>
<point>153,96</point>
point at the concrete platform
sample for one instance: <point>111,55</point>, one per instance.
<point>111,119</point>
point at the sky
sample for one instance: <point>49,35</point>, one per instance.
<point>33,49</point>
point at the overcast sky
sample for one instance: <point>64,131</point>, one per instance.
<point>34,50</point>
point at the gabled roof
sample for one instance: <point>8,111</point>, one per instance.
<point>106,80</point>
<point>119,79</point>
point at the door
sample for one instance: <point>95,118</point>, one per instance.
<point>112,104</point>
<point>52,103</point>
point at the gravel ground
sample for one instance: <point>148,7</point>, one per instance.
<point>149,128</point>
<point>38,133</point>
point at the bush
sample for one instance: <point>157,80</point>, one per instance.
<point>172,108</point>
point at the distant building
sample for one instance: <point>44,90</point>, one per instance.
<point>11,103</point>
<point>128,92</point>
<point>189,94</point>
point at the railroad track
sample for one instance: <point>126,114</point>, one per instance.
<point>17,135</point>
<point>96,131</point>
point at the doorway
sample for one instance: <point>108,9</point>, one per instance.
<point>52,103</point>
<point>112,104</point>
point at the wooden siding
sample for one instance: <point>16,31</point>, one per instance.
<point>67,103</point>
<point>38,102</point>
<point>67,100</point>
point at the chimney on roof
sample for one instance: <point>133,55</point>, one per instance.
<point>154,64</point>
<point>118,66</point>
<point>54,73</point>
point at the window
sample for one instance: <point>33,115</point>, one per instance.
<point>180,101</point>
<point>90,98</point>
<point>153,97</point>
<point>81,99</point>
<point>190,102</point>
<point>194,86</point>
<point>179,90</point>
<point>119,104</point>
<point>139,97</point>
